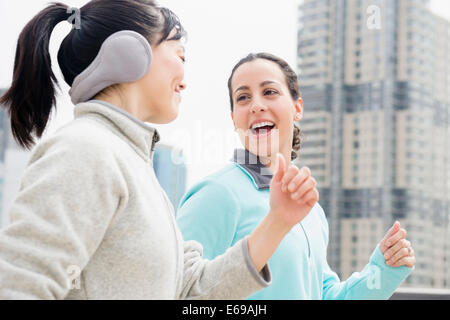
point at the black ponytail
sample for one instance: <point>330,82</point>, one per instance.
<point>31,97</point>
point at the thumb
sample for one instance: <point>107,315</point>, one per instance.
<point>281,167</point>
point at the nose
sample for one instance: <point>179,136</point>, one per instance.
<point>182,85</point>
<point>257,106</point>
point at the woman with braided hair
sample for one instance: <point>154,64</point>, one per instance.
<point>226,206</point>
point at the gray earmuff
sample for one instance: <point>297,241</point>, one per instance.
<point>125,56</point>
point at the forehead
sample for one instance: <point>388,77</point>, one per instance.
<point>172,45</point>
<point>169,42</point>
<point>257,71</point>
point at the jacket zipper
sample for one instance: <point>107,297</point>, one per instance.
<point>307,240</point>
<point>168,211</point>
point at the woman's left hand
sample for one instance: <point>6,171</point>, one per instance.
<point>396,249</point>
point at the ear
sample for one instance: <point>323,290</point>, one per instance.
<point>298,109</point>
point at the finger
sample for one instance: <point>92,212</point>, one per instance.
<point>289,175</point>
<point>311,198</point>
<point>403,243</point>
<point>281,167</point>
<point>307,186</point>
<point>401,234</point>
<point>409,262</point>
<point>306,173</point>
<point>400,254</point>
<point>302,190</point>
<point>297,181</point>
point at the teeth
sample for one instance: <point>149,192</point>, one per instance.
<point>262,124</point>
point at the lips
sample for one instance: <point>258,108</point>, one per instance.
<point>260,122</point>
<point>261,128</point>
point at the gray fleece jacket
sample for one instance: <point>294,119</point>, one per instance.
<point>92,222</point>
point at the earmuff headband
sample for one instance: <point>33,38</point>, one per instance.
<point>125,56</point>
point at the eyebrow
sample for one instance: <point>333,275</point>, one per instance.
<point>262,84</point>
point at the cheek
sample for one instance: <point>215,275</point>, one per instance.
<point>240,119</point>
<point>162,73</point>
<point>285,117</point>
<point>174,70</point>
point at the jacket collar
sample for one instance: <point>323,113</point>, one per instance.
<point>249,162</point>
<point>140,135</point>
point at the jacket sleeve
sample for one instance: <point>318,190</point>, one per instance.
<point>208,217</point>
<point>67,198</point>
<point>377,281</point>
<point>231,276</point>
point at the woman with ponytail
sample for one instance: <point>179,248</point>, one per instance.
<point>90,220</point>
<point>225,207</point>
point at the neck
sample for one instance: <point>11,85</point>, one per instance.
<point>122,101</point>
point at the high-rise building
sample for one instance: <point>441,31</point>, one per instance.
<point>170,169</point>
<point>375,80</point>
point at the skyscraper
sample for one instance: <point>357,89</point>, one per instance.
<point>170,170</point>
<point>375,80</point>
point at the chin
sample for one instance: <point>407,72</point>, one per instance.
<point>173,116</point>
<point>167,115</point>
<point>262,150</point>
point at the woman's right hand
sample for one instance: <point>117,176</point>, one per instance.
<point>293,193</point>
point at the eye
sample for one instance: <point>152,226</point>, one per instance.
<point>270,92</point>
<point>241,98</point>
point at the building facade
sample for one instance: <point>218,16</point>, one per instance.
<point>170,169</point>
<point>375,80</point>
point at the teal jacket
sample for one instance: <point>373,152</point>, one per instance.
<point>228,205</point>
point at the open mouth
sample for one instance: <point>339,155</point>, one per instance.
<point>262,128</point>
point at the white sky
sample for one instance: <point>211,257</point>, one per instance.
<point>220,33</point>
